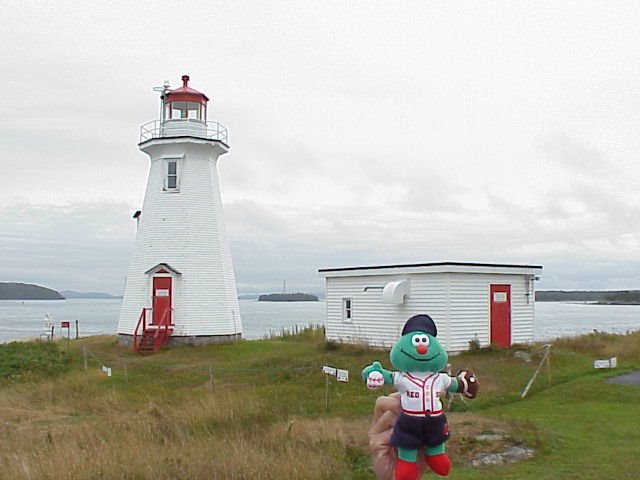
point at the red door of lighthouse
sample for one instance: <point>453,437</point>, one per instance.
<point>161,299</point>
<point>501,315</point>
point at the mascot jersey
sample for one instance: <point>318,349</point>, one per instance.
<point>421,391</point>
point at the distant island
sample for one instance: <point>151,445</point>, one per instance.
<point>88,295</point>
<point>27,291</point>
<point>610,297</point>
<point>288,297</point>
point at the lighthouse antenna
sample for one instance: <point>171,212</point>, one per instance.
<point>165,86</point>
<point>163,89</point>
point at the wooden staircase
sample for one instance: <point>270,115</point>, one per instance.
<point>149,338</point>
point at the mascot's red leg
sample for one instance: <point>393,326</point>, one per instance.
<point>440,464</point>
<point>406,470</point>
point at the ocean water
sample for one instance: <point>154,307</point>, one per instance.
<point>20,320</point>
<point>558,319</point>
<point>25,319</point>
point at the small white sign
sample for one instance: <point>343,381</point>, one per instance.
<point>162,293</point>
<point>499,297</point>
<point>106,370</point>
<point>329,370</point>
<point>343,375</point>
<point>609,363</point>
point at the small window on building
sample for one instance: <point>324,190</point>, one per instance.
<point>172,175</point>
<point>347,309</point>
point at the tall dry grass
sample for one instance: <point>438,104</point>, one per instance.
<point>259,422</point>
<point>603,345</point>
<point>68,430</point>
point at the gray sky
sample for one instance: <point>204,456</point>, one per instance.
<point>361,133</point>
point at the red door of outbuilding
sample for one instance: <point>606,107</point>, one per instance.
<point>161,299</point>
<point>501,315</point>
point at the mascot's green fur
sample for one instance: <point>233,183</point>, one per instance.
<point>422,425</point>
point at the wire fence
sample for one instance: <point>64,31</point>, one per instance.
<point>124,365</point>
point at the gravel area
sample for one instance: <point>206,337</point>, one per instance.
<point>632,378</point>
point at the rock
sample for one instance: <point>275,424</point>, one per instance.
<point>517,453</point>
<point>490,437</point>
<point>521,354</point>
<point>511,454</point>
<point>487,459</point>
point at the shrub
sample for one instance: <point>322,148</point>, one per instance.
<point>31,358</point>
<point>474,344</point>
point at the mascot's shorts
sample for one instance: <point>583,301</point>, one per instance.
<point>414,432</point>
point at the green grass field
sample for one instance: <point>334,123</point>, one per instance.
<point>256,409</point>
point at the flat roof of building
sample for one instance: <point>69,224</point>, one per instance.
<point>435,267</point>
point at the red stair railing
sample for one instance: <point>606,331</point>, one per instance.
<point>142,322</point>
<point>150,338</point>
<point>164,330</point>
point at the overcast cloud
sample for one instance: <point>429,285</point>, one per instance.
<point>361,133</point>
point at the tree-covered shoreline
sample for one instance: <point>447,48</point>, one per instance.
<point>606,297</point>
<point>27,291</point>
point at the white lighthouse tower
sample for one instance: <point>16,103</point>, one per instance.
<point>180,286</point>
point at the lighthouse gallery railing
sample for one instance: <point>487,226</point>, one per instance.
<point>184,128</point>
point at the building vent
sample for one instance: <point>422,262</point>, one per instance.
<point>395,292</point>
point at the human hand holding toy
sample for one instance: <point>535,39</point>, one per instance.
<point>421,425</point>
<point>383,454</point>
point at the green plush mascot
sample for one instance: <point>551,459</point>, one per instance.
<point>422,424</point>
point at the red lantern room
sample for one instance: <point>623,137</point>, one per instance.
<point>183,113</point>
<point>185,103</point>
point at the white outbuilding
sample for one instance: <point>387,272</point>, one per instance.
<point>469,302</point>
<point>180,285</point>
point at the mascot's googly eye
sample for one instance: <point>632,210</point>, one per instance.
<point>420,339</point>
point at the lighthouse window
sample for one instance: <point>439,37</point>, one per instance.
<point>178,110</point>
<point>172,175</point>
<point>193,110</point>
<point>181,110</point>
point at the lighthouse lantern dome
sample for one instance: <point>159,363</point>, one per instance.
<point>185,103</point>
